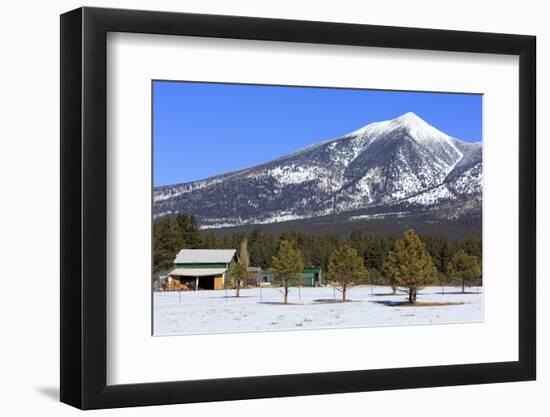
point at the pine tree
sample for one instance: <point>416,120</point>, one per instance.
<point>286,266</point>
<point>288,235</point>
<point>358,242</point>
<point>210,241</point>
<point>346,268</point>
<point>464,268</point>
<point>167,242</point>
<point>226,242</point>
<point>441,253</point>
<point>238,274</point>
<point>472,246</point>
<point>445,255</point>
<point>189,230</point>
<point>261,247</point>
<point>376,253</point>
<point>410,265</point>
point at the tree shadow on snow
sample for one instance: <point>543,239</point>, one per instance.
<point>278,303</point>
<point>389,303</point>
<point>388,294</point>
<point>332,301</point>
<point>457,292</point>
<point>234,296</point>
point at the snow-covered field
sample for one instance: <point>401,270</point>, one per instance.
<point>310,308</point>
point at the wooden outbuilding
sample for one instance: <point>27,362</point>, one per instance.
<point>201,269</point>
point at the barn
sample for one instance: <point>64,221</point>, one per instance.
<point>201,269</point>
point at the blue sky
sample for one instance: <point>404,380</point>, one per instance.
<point>202,129</point>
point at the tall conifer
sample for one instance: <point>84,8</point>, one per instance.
<point>410,265</point>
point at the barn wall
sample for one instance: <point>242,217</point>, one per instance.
<point>218,282</point>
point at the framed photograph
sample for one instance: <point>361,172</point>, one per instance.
<point>257,208</point>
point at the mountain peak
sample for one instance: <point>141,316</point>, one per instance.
<point>414,123</point>
<point>409,117</point>
<point>416,127</point>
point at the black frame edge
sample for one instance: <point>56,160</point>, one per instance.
<point>83,208</point>
<point>70,221</point>
<point>528,207</point>
<point>94,208</point>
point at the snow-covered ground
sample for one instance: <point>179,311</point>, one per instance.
<point>310,308</point>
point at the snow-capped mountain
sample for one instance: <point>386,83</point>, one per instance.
<point>402,163</point>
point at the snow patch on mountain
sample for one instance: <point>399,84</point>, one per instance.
<point>398,214</point>
<point>292,174</point>
<point>469,183</point>
<point>431,197</point>
<point>170,192</point>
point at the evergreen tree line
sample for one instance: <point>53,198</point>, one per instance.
<point>453,261</point>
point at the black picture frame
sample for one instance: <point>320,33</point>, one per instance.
<point>84,207</point>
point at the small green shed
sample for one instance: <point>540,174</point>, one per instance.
<point>311,277</point>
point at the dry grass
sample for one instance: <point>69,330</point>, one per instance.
<point>417,304</point>
<point>429,304</point>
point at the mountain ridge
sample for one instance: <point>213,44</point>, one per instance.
<point>384,164</point>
